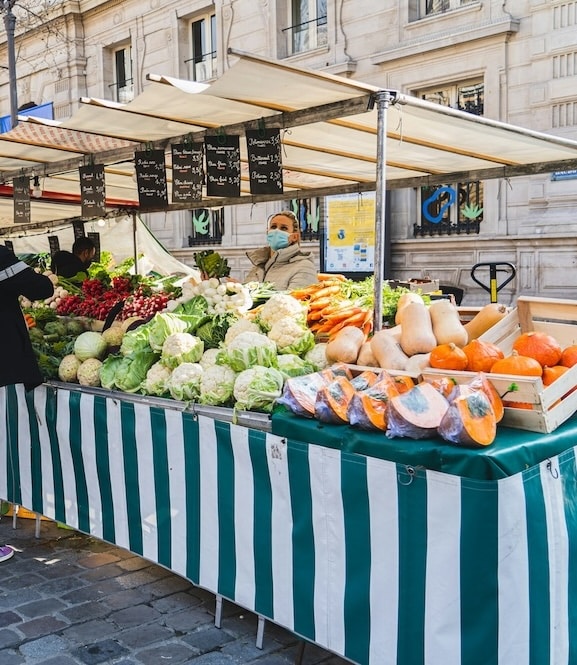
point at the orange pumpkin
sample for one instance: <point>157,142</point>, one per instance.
<point>403,383</point>
<point>541,346</point>
<point>550,374</point>
<point>517,364</point>
<point>448,356</point>
<point>569,356</point>
<point>482,355</point>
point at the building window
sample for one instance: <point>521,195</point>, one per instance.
<point>431,7</point>
<point>453,208</point>
<point>308,25</point>
<point>564,115</point>
<point>207,226</point>
<point>308,212</point>
<point>123,84</point>
<point>202,63</point>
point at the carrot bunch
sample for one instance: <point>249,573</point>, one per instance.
<point>329,309</point>
<point>30,321</point>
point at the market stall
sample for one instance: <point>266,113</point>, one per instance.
<point>373,555</point>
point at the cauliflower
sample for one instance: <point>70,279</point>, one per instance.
<point>209,358</point>
<point>156,378</point>
<point>68,368</point>
<point>257,388</point>
<point>279,306</point>
<point>216,385</point>
<point>242,325</point>
<point>248,349</point>
<point>181,347</point>
<point>291,337</point>
<point>184,382</point>
<point>89,372</point>
<point>317,356</point>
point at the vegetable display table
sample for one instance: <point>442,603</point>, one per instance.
<point>383,561</point>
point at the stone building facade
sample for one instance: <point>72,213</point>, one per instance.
<point>510,60</point>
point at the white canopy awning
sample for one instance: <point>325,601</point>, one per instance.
<point>328,131</point>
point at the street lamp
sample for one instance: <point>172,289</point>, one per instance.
<point>10,25</point>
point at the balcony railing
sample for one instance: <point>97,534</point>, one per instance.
<point>308,35</point>
<point>202,68</point>
<point>123,92</point>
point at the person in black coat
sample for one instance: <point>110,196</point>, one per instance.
<point>19,363</point>
<point>70,264</point>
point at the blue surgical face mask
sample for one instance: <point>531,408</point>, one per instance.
<point>277,239</point>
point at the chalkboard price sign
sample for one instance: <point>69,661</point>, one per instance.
<point>187,172</point>
<point>264,161</point>
<point>21,189</point>
<point>54,244</point>
<point>92,190</point>
<point>78,229</point>
<point>151,179</point>
<point>222,165</point>
<point>95,237</point>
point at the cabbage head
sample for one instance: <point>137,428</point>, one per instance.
<point>161,326</point>
<point>135,341</point>
<point>90,345</point>
<point>108,371</point>
<point>184,382</point>
<point>131,372</point>
<point>257,388</point>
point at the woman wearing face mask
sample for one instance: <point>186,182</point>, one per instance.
<point>282,263</point>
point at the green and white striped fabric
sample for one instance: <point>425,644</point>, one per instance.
<point>380,563</point>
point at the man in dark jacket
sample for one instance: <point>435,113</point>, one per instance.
<point>19,362</point>
<point>69,264</point>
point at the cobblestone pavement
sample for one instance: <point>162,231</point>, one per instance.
<point>68,599</point>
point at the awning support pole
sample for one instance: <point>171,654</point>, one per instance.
<point>382,99</point>
<point>134,243</point>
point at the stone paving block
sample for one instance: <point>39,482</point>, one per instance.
<point>85,612</point>
<point>10,657</point>
<point>121,599</point>
<point>213,658</point>
<point>9,618</point>
<point>207,639</point>
<point>45,647</point>
<point>142,636</point>
<point>245,649</point>
<point>44,625</point>
<point>98,559</point>
<point>139,578</point>
<point>175,602</point>
<point>173,653</point>
<point>89,631</point>
<point>58,570</point>
<point>15,582</point>
<point>58,660</point>
<point>94,592</point>
<point>189,619</point>
<point>38,608</point>
<point>8,638</point>
<point>18,597</point>
<point>134,616</point>
<point>61,587</point>
<point>100,652</point>
<point>134,563</point>
<point>102,573</point>
<point>169,585</point>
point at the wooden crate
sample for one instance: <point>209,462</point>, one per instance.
<point>552,405</point>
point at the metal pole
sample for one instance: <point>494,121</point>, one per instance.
<point>134,243</point>
<point>382,240</point>
<point>10,25</point>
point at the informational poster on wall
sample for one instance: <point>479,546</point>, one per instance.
<point>350,233</point>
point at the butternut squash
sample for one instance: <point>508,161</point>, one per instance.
<point>417,363</point>
<point>388,351</point>
<point>366,357</point>
<point>345,345</point>
<point>404,300</point>
<point>416,329</point>
<point>447,326</point>
<point>485,318</point>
